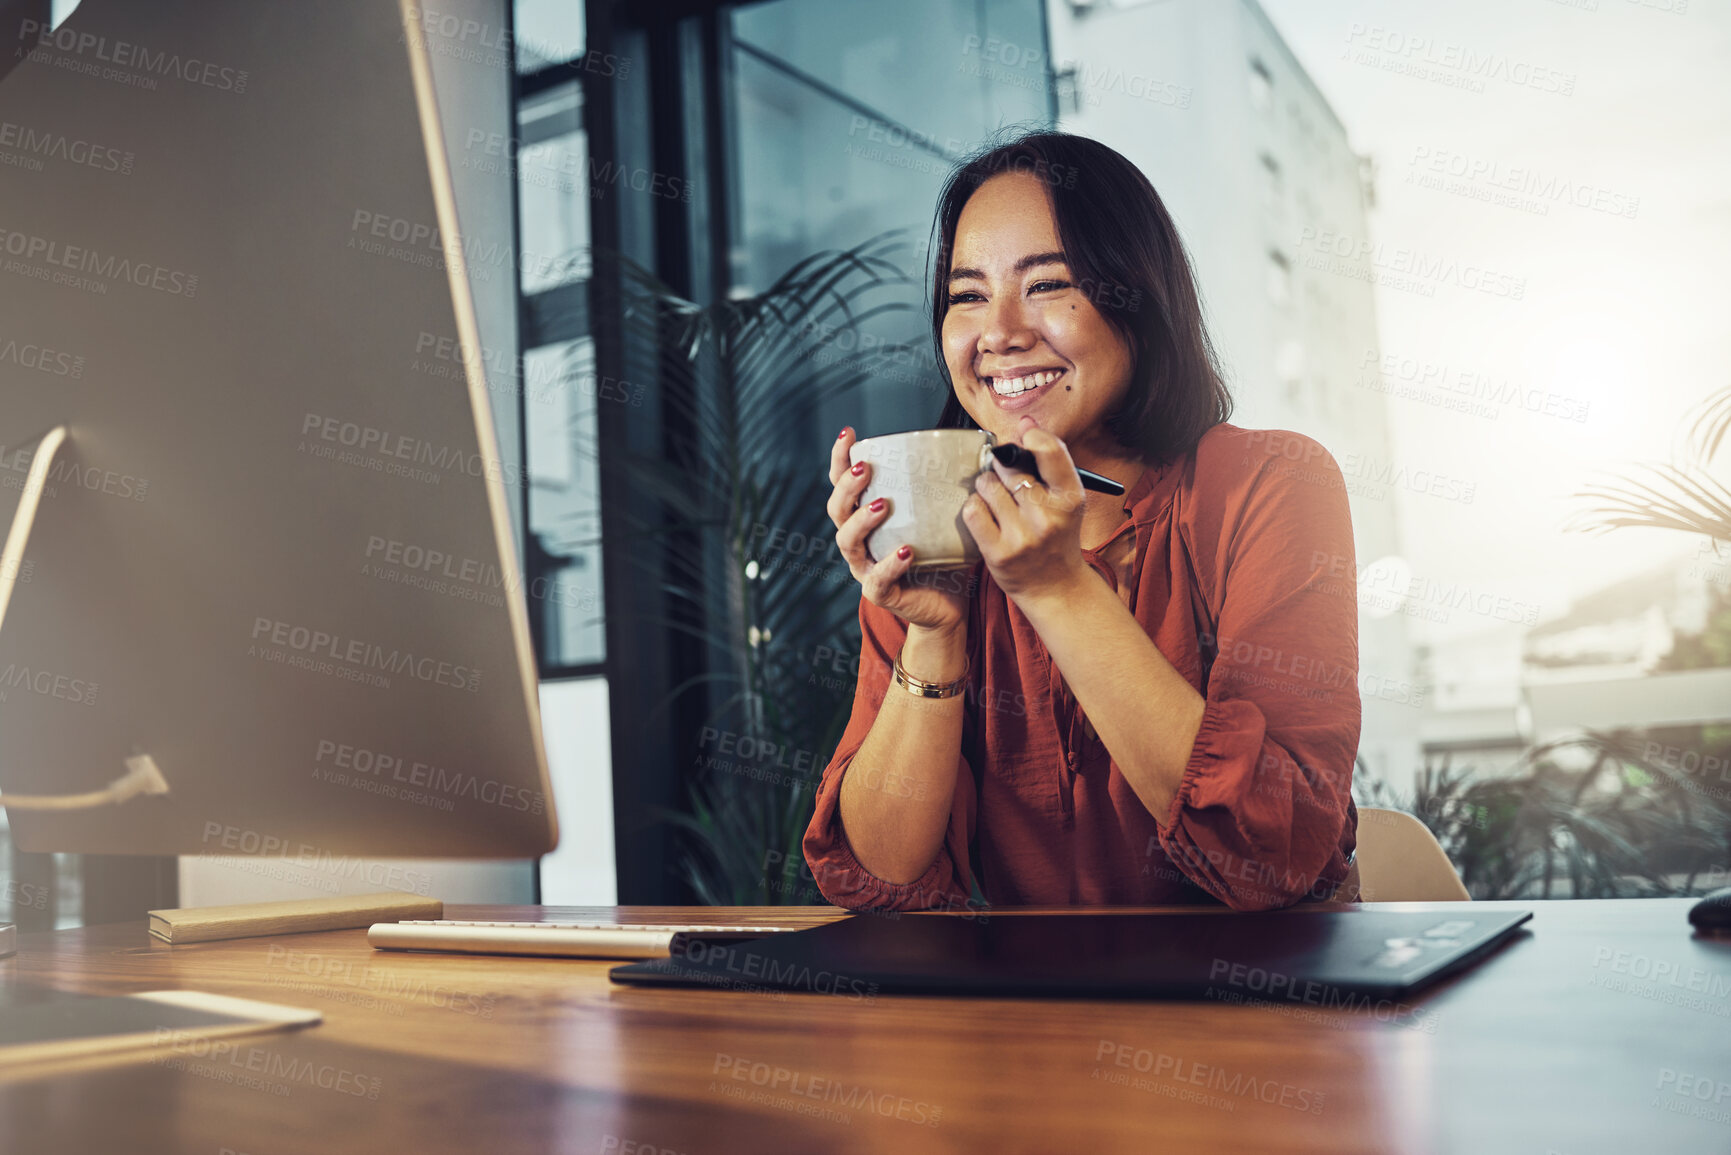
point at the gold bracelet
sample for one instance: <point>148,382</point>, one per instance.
<point>921,689</point>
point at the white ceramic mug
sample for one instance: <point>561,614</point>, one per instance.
<point>925,476</point>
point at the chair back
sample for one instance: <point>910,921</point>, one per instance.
<point>1400,860</point>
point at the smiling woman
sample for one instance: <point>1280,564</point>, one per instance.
<point>1146,698</point>
<point>1119,254</point>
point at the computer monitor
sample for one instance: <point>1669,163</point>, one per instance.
<point>273,553</point>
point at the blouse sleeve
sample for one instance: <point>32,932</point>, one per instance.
<point>1263,816</point>
<point>946,883</point>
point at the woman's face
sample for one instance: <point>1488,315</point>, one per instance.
<point>1020,337</point>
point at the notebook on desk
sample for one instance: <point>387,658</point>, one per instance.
<point>1327,958</point>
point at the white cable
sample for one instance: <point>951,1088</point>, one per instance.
<point>141,777</point>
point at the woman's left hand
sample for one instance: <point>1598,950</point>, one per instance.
<point>1030,531</point>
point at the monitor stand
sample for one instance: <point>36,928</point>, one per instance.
<point>12,553</point>
<point>142,776</point>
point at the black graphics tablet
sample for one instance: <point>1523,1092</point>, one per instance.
<point>1323,958</point>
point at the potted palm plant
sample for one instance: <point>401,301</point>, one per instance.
<point>761,586</point>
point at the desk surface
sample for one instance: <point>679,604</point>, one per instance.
<point>1596,1029</point>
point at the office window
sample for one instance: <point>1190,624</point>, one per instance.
<point>1271,183</point>
<point>560,387</point>
<point>1279,278</point>
<point>1289,363</point>
<point>1261,86</point>
<point>548,33</point>
<point>848,119</point>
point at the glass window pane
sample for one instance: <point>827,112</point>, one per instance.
<point>560,389</point>
<point>553,189</point>
<point>548,32</point>
<point>847,121</point>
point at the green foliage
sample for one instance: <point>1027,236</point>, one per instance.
<point>1596,812</point>
<point>1708,649</point>
<point>748,375</point>
<point>1660,496</point>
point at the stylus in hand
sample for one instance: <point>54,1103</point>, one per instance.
<point>1015,457</point>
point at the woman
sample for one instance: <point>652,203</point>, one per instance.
<point>1146,698</point>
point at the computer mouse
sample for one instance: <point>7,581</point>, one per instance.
<point>1713,912</point>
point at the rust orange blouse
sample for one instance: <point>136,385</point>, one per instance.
<point>1229,558</point>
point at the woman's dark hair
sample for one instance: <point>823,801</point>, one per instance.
<point>1125,254</point>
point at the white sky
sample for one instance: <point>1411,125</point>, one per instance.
<point>1631,315</point>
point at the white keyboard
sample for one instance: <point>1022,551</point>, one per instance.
<point>560,939</point>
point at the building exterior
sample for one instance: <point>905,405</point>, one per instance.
<point>1256,169</point>
<point>1616,660</point>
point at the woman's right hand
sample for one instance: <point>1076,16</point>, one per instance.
<point>935,602</point>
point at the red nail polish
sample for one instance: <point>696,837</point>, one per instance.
<point>858,468</point>
<point>905,552</point>
<point>877,505</point>
<point>841,435</point>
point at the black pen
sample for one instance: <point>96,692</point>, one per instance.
<point>1015,457</point>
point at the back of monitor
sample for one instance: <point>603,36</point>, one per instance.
<point>275,552</point>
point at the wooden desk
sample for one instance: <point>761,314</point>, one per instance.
<point>1558,1043</point>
